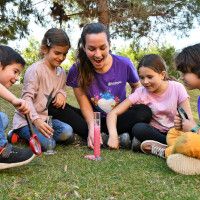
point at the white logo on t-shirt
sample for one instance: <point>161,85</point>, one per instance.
<point>114,83</point>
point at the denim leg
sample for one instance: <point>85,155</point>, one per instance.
<point>24,133</point>
<point>62,131</point>
<point>3,125</point>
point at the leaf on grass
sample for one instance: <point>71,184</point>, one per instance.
<point>77,194</point>
<point>65,168</point>
<point>75,187</point>
<point>111,198</point>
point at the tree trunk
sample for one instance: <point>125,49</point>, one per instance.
<point>103,14</point>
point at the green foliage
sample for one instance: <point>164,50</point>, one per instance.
<point>70,59</point>
<point>15,17</point>
<point>30,54</point>
<point>128,19</point>
<point>135,53</point>
<point>131,19</point>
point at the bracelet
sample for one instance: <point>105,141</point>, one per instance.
<point>196,128</point>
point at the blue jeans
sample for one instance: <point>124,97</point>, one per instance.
<point>62,133</point>
<point>4,121</point>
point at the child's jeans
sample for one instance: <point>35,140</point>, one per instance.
<point>62,133</point>
<point>187,143</point>
<point>4,121</point>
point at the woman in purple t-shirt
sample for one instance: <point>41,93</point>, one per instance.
<point>99,81</point>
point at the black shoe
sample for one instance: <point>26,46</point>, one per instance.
<point>135,144</point>
<point>125,141</point>
<point>13,156</point>
<point>104,137</point>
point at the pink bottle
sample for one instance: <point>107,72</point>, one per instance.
<point>97,142</point>
<point>97,136</point>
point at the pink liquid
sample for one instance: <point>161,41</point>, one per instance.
<point>97,145</point>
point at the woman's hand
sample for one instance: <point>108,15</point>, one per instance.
<point>113,142</point>
<point>21,105</point>
<point>90,139</point>
<point>43,127</point>
<point>59,101</point>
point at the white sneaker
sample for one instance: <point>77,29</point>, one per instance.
<point>183,164</point>
<point>153,147</point>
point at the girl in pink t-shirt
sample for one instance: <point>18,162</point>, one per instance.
<point>162,95</point>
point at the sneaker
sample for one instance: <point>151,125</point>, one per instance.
<point>13,156</point>
<point>104,137</point>
<point>125,141</point>
<point>12,137</point>
<point>135,146</point>
<point>153,147</point>
<point>183,164</point>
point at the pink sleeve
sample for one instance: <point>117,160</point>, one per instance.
<point>134,97</point>
<point>63,89</point>
<point>29,91</point>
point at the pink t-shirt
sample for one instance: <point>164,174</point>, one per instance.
<point>164,106</point>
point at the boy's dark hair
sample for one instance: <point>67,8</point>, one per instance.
<point>188,60</point>
<point>9,56</point>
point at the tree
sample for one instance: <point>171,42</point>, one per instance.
<point>15,16</point>
<point>166,52</point>
<point>125,18</point>
<point>131,18</point>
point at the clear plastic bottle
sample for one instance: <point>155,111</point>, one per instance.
<point>51,141</point>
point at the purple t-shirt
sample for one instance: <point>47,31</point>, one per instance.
<point>107,89</point>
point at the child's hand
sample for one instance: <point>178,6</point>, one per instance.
<point>188,124</point>
<point>59,101</point>
<point>43,127</point>
<point>21,105</point>
<point>113,142</point>
<point>178,122</point>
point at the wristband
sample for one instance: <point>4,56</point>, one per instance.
<point>196,128</point>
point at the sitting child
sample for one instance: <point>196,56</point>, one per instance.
<point>11,65</point>
<point>162,95</point>
<point>44,83</point>
<point>183,150</point>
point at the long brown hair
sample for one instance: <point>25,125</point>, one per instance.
<point>85,67</point>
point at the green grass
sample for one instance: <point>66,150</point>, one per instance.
<point>120,175</point>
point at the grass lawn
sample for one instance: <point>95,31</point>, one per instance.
<point>120,175</point>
